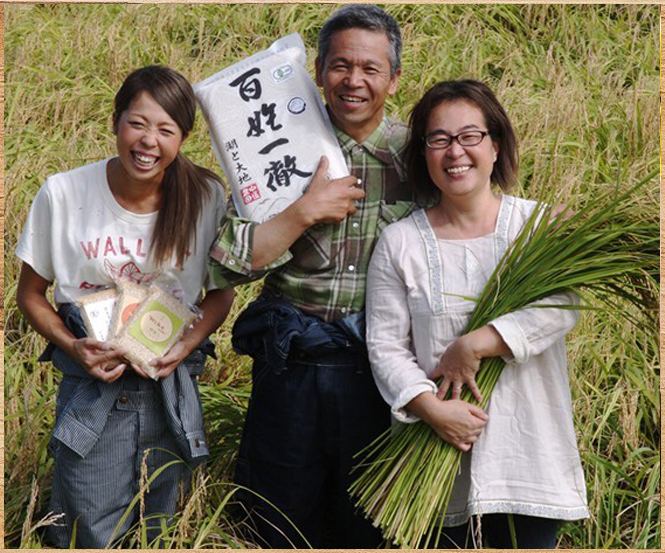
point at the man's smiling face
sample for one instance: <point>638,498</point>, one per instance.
<point>356,80</point>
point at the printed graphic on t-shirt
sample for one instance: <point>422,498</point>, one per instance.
<point>129,271</point>
<point>114,247</point>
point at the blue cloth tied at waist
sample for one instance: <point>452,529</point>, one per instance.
<point>270,329</point>
<point>83,418</point>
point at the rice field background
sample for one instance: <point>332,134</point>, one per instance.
<point>581,84</point>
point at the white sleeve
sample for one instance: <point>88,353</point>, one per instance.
<point>34,245</point>
<point>532,330</point>
<point>221,203</point>
<point>220,210</point>
<point>394,366</point>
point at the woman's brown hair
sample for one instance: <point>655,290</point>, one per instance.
<point>185,185</point>
<point>498,125</point>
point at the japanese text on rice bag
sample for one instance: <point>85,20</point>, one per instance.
<point>269,128</point>
<point>97,311</point>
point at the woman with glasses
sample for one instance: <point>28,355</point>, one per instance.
<point>521,467</point>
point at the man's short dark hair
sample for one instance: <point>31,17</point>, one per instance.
<point>363,16</point>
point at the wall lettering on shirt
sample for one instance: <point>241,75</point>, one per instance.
<point>113,245</point>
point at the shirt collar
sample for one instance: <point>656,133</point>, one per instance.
<point>377,143</point>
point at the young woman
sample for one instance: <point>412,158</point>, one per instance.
<point>521,455</point>
<point>144,214</point>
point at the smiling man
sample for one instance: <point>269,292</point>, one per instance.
<point>356,78</point>
<point>314,403</point>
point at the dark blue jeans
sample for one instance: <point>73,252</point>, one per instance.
<point>530,533</point>
<point>303,427</point>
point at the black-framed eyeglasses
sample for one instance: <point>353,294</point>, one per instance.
<point>439,140</point>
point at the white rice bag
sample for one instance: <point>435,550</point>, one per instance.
<point>153,327</point>
<point>269,128</point>
<point>130,296</point>
<point>97,311</point>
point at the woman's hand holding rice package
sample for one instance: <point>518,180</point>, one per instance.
<point>269,128</point>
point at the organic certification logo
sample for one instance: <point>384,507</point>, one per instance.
<point>283,72</point>
<point>296,105</point>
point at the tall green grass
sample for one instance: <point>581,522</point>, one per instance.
<point>580,83</point>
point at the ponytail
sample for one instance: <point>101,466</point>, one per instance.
<point>185,188</point>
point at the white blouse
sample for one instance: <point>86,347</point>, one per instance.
<point>526,459</point>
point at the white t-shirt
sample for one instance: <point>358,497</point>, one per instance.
<point>79,236</point>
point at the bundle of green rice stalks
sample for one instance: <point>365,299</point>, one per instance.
<point>604,252</point>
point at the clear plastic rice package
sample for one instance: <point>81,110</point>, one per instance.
<point>130,295</point>
<point>97,312</point>
<point>269,128</point>
<point>153,327</point>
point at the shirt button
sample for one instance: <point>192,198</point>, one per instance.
<point>123,399</point>
<point>352,268</point>
<point>343,310</point>
<point>355,224</point>
<point>232,262</point>
<point>197,443</point>
<point>357,150</point>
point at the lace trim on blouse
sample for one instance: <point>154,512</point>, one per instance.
<point>501,242</point>
<point>515,508</point>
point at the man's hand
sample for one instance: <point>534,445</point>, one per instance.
<point>330,200</point>
<point>325,201</point>
<point>560,214</point>
<point>101,360</point>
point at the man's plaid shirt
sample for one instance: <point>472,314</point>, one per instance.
<point>325,271</point>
